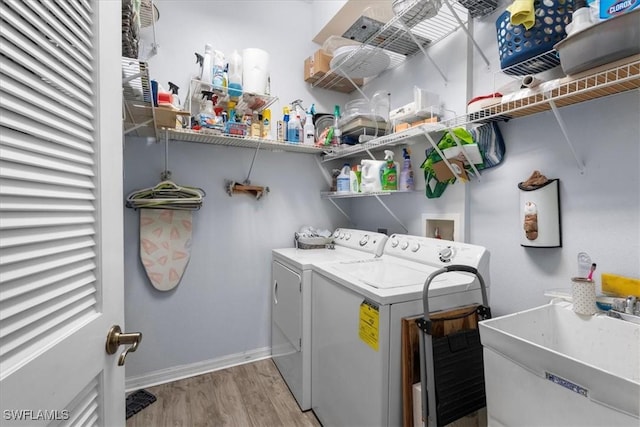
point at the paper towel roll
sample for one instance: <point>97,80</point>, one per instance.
<point>255,70</point>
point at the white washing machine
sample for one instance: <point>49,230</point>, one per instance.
<point>357,308</point>
<point>291,302</point>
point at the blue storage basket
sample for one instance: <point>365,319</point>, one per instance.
<point>531,51</point>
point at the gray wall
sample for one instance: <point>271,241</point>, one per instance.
<point>221,307</point>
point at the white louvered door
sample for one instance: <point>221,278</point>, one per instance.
<point>61,268</point>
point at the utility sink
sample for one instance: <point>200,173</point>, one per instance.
<point>551,366</point>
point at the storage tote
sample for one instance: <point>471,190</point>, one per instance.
<point>531,51</point>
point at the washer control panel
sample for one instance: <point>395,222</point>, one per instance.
<point>363,240</point>
<point>435,252</point>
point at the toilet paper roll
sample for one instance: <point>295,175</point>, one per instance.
<point>255,70</point>
<point>584,295</point>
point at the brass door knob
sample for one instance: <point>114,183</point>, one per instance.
<point>116,338</point>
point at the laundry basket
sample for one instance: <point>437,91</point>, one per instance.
<point>531,51</point>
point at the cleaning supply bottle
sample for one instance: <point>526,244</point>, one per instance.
<point>337,133</point>
<point>309,130</point>
<point>266,124</point>
<point>285,120</point>
<point>294,129</point>
<point>218,79</point>
<point>354,185</point>
<point>389,172</point>
<point>175,100</point>
<point>199,61</point>
<point>343,182</point>
<point>207,64</point>
<point>406,173</point>
<point>207,117</point>
<point>235,75</point>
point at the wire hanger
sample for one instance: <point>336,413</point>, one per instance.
<point>166,194</point>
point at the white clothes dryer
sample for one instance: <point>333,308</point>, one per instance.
<point>357,311</point>
<point>291,302</point>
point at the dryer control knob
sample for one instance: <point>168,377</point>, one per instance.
<point>341,236</point>
<point>336,233</point>
<point>347,236</point>
<point>404,245</point>
<point>446,254</point>
<point>415,247</point>
<point>364,240</point>
<point>394,243</point>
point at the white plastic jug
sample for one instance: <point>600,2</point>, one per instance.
<point>370,178</point>
<point>343,181</point>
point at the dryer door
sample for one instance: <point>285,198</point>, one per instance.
<point>286,306</point>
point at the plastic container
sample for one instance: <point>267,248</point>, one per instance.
<point>601,43</point>
<point>294,129</point>
<point>370,175</point>
<point>406,174</point>
<point>389,172</point>
<point>235,74</point>
<point>309,130</point>
<point>517,45</point>
<point>583,291</point>
<point>354,185</point>
<point>219,79</point>
<point>207,64</point>
<point>343,182</point>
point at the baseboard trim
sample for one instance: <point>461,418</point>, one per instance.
<point>185,371</point>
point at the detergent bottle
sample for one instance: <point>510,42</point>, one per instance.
<point>406,173</point>
<point>389,172</point>
<point>343,182</point>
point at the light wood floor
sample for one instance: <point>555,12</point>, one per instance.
<point>248,395</point>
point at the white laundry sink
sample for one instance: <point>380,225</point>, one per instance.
<point>550,366</point>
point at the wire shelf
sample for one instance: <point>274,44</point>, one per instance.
<point>567,91</point>
<point>238,141</point>
<point>392,37</point>
<point>336,195</point>
<point>383,141</point>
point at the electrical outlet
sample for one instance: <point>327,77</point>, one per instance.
<point>382,230</point>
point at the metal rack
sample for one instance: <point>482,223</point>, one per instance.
<point>137,100</point>
<point>565,92</point>
<point>400,41</point>
<point>188,135</point>
<point>245,104</point>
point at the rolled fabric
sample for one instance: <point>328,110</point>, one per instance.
<point>522,12</point>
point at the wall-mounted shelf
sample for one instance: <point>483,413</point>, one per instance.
<point>377,144</point>
<point>336,195</point>
<point>397,39</point>
<point>238,141</point>
<point>565,92</point>
<point>568,91</point>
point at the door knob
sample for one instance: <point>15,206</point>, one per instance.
<point>116,338</point>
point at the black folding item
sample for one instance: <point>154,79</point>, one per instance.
<point>453,371</point>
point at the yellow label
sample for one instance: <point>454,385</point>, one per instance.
<point>369,324</point>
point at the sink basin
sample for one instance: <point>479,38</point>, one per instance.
<point>551,366</point>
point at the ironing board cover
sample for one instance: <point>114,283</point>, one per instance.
<point>165,245</point>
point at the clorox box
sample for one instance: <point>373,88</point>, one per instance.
<point>611,8</point>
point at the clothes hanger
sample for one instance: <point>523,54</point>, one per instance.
<point>166,195</point>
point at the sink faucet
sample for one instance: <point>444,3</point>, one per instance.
<point>626,309</point>
<point>630,307</point>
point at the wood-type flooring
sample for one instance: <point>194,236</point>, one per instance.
<point>248,395</point>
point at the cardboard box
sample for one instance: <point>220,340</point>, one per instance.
<point>403,126</point>
<point>318,65</point>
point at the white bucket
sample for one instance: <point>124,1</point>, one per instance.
<point>255,70</point>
